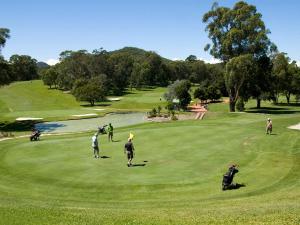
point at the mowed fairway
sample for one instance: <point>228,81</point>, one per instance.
<point>57,181</point>
<point>33,99</point>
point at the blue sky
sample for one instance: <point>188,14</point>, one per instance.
<point>172,28</point>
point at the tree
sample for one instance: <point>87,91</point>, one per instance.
<point>182,93</point>
<point>50,76</point>
<point>201,94</point>
<point>92,90</point>
<point>281,77</point>
<point>261,82</point>
<point>236,31</point>
<point>5,72</point>
<point>4,35</point>
<point>238,71</point>
<point>213,93</point>
<point>191,58</point>
<point>294,86</point>
<point>23,67</point>
<point>121,65</point>
<point>180,90</point>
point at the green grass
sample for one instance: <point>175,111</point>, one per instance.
<point>33,99</point>
<point>56,180</point>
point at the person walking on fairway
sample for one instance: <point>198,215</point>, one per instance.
<point>110,132</point>
<point>95,145</point>
<point>269,126</point>
<point>129,151</point>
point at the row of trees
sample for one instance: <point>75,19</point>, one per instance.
<point>251,65</point>
<point>19,67</point>
<point>78,71</point>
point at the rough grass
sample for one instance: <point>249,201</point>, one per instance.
<point>56,180</point>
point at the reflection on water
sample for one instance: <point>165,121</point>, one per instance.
<point>116,119</point>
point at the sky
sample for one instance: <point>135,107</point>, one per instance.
<point>172,28</point>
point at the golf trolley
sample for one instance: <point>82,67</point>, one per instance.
<point>101,130</point>
<point>228,178</point>
<point>35,136</point>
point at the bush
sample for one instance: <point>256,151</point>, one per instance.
<point>173,117</point>
<point>240,105</point>
<point>159,110</point>
<point>152,113</point>
<point>298,98</point>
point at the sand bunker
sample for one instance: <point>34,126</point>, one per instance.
<point>295,127</point>
<point>99,109</point>
<point>83,115</point>
<point>114,99</point>
<point>27,118</point>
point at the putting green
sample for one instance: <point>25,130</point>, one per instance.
<point>179,168</point>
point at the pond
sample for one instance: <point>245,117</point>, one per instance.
<point>116,119</point>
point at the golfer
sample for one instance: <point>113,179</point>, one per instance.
<point>129,151</point>
<point>269,126</point>
<point>110,132</point>
<point>95,145</point>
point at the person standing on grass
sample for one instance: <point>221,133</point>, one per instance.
<point>110,132</point>
<point>129,151</point>
<point>95,145</point>
<point>269,126</point>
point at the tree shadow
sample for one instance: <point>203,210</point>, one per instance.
<point>268,108</point>
<point>96,104</point>
<point>26,125</point>
<point>273,111</point>
<point>48,127</point>
<point>291,104</point>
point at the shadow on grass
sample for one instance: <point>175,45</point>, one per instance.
<point>27,125</point>
<point>235,186</point>
<point>105,157</point>
<point>291,104</point>
<point>272,110</point>
<point>48,127</point>
<point>139,164</point>
<point>96,104</point>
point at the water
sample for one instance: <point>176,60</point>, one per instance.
<point>116,119</point>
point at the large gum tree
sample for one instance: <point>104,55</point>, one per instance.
<point>235,32</point>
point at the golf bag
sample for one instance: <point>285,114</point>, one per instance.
<point>35,136</point>
<point>228,178</point>
<point>101,130</point>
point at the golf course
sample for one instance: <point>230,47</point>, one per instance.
<point>149,112</point>
<point>176,174</point>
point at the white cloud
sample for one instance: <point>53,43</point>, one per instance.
<point>211,60</point>
<point>177,59</point>
<point>52,62</point>
<point>298,62</point>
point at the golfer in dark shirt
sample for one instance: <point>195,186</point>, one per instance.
<point>129,149</point>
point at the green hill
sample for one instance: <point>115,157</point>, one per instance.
<point>33,99</point>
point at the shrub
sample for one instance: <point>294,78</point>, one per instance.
<point>240,105</point>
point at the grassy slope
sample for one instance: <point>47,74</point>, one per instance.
<point>33,99</point>
<point>56,180</point>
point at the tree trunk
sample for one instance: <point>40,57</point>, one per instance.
<point>231,105</point>
<point>92,102</point>
<point>288,95</point>
<point>258,101</point>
